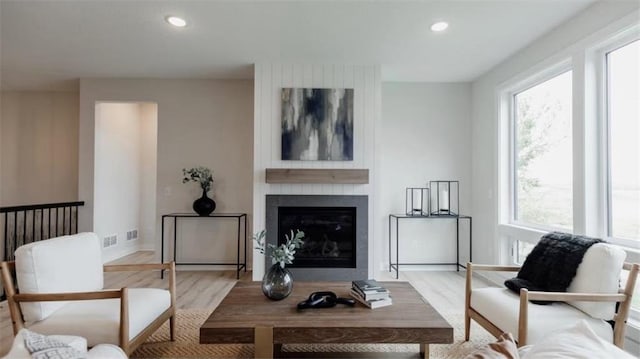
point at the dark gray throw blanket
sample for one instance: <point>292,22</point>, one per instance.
<point>552,264</point>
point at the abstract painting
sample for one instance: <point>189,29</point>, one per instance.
<point>317,124</point>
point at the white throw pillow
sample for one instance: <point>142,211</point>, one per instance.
<point>599,272</point>
<point>577,342</point>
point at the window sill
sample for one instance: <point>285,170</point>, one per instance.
<point>521,233</point>
<point>633,245</point>
<point>532,235</point>
<point>633,256</point>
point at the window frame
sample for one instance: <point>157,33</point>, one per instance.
<point>590,207</point>
<point>548,73</point>
<point>603,90</point>
<point>597,57</point>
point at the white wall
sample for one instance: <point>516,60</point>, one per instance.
<point>39,147</point>
<point>269,80</point>
<point>200,122</point>
<point>426,135</point>
<point>118,175</point>
<point>148,117</point>
<point>125,174</point>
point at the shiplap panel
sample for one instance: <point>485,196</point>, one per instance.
<point>274,112</point>
<point>359,104</point>
<point>269,80</point>
<point>317,81</point>
<point>337,77</point>
<point>350,77</point>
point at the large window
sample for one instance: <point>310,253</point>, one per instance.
<point>584,180</point>
<point>542,154</point>
<point>623,112</point>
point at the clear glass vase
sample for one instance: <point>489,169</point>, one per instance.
<point>277,283</point>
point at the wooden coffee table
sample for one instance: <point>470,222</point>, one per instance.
<point>247,316</point>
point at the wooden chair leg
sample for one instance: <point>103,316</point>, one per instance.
<point>467,301</point>
<point>523,318</point>
<point>172,327</point>
<point>172,290</point>
<point>467,325</point>
<point>424,351</point>
<point>124,320</point>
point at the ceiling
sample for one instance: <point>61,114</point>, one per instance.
<point>51,44</point>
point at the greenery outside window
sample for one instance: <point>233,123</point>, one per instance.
<point>541,137</point>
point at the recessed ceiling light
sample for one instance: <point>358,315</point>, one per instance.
<point>176,21</point>
<point>439,26</point>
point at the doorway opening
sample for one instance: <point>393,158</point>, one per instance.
<point>125,176</point>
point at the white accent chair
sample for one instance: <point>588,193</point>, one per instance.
<point>591,296</point>
<point>60,291</point>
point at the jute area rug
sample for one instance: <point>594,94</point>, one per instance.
<point>187,343</point>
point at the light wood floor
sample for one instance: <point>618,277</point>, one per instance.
<point>206,289</point>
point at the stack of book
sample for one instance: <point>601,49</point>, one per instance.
<point>370,293</point>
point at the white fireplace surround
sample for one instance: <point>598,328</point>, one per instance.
<point>273,202</point>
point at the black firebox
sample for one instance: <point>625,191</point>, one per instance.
<point>330,235</point>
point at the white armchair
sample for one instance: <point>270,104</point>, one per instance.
<point>592,297</point>
<point>60,291</point>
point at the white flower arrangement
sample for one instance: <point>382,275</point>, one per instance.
<point>283,254</point>
<point>198,174</point>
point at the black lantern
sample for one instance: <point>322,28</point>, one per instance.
<point>417,202</point>
<point>445,198</point>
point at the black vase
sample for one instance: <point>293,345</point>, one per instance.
<point>204,205</point>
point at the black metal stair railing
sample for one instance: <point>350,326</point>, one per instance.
<point>36,222</point>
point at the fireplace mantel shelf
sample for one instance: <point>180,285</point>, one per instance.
<point>317,175</point>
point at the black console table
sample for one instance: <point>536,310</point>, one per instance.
<point>241,217</point>
<point>396,266</point>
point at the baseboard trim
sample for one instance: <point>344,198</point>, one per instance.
<point>111,254</point>
<point>204,267</point>
<point>148,247</point>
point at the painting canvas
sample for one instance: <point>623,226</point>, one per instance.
<point>317,124</point>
